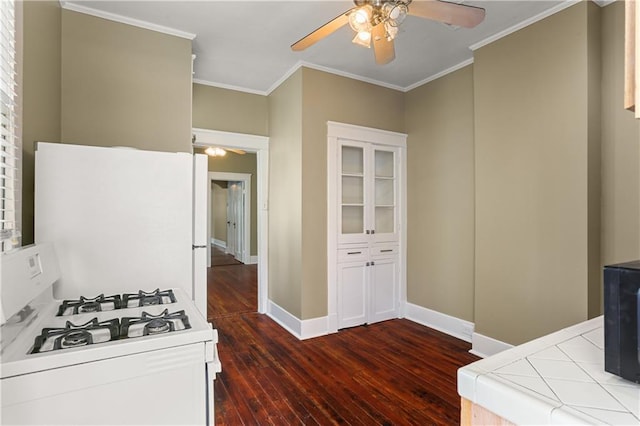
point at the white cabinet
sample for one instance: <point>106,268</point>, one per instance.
<point>366,225</point>
<point>367,192</point>
<point>367,286</point>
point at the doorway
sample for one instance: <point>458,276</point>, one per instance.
<point>229,216</point>
<point>259,145</point>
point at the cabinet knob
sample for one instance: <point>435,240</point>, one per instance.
<point>368,232</point>
<point>373,231</point>
<point>373,263</point>
<point>367,264</point>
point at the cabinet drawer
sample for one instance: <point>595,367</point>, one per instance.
<point>353,254</point>
<point>386,250</point>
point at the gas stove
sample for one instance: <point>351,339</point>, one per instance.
<point>88,329</point>
<point>56,354</point>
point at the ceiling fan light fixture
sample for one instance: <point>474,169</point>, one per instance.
<point>363,38</point>
<point>360,18</point>
<point>215,152</point>
<point>392,31</point>
<point>394,13</point>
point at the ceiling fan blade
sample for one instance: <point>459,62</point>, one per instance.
<point>317,35</point>
<point>383,49</point>
<point>236,151</point>
<point>449,13</point>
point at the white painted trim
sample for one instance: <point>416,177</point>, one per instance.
<point>603,3</point>
<point>259,145</point>
<point>230,87</point>
<point>219,243</point>
<point>523,24</point>
<point>126,20</point>
<point>253,260</point>
<point>301,329</point>
<point>484,346</point>
<point>251,143</point>
<point>333,71</point>
<point>440,74</point>
<point>365,134</point>
<point>245,178</point>
<point>447,324</point>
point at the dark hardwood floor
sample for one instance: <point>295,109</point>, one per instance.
<point>391,373</point>
<point>220,258</point>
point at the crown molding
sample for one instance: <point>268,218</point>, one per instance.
<point>333,71</point>
<point>125,20</point>
<point>229,87</point>
<point>523,24</point>
<point>438,75</point>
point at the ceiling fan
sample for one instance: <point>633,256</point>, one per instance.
<point>377,21</point>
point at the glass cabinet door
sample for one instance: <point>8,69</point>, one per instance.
<point>352,189</point>
<point>384,182</point>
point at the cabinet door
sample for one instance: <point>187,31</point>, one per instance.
<point>384,276</point>
<point>353,195</point>
<point>384,210</point>
<point>352,294</point>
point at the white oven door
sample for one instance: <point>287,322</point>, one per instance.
<point>167,386</point>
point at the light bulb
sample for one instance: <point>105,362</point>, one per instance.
<point>363,38</point>
<point>360,19</point>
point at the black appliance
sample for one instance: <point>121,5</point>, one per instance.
<point>622,320</point>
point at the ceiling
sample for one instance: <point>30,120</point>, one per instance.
<point>245,45</point>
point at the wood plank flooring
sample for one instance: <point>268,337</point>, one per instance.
<point>391,373</point>
<point>220,258</point>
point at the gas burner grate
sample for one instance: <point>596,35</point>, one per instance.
<point>142,298</point>
<point>88,305</point>
<point>73,336</point>
<point>148,324</point>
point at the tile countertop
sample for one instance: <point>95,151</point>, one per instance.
<point>556,379</point>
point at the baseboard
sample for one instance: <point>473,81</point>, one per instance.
<point>447,324</point>
<point>484,346</point>
<point>219,243</point>
<point>301,329</point>
<point>253,260</point>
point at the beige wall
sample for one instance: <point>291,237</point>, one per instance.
<point>219,210</point>
<point>236,163</point>
<point>532,96</point>
<point>229,110</point>
<point>620,150</point>
<point>327,97</point>
<point>285,195</point>
<point>124,86</point>
<point>440,195</point>
<point>41,93</point>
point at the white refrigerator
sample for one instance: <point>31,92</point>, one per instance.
<point>123,220</point>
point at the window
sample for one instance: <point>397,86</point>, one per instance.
<point>10,148</point>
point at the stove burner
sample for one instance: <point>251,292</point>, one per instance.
<point>143,298</point>
<point>148,324</point>
<point>151,300</point>
<point>90,307</point>
<point>157,326</point>
<point>84,305</point>
<point>77,338</point>
<point>72,335</point>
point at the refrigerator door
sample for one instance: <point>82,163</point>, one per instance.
<point>120,219</point>
<point>200,203</point>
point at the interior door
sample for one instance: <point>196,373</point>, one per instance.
<point>235,215</point>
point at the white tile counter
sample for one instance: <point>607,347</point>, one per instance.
<point>556,379</point>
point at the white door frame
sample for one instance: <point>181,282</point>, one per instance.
<point>260,146</point>
<point>245,178</point>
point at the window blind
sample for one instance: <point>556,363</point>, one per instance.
<point>10,148</point>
